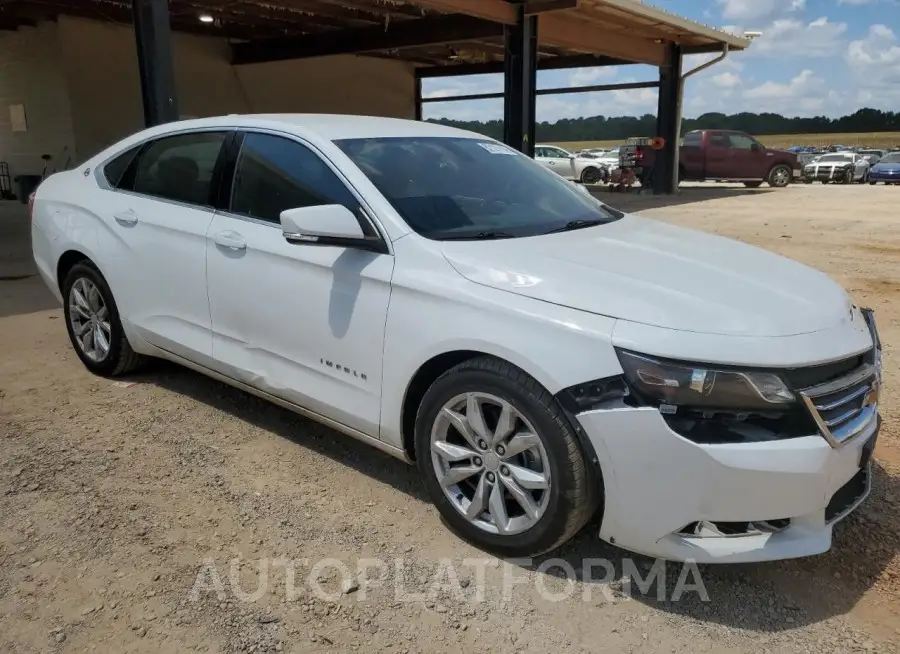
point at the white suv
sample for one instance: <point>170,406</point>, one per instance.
<point>542,357</point>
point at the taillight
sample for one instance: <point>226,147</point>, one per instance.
<point>638,154</point>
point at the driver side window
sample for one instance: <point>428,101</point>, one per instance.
<point>274,173</point>
<point>742,141</point>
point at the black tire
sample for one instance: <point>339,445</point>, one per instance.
<point>753,184</point>
<point>120,359</point>
<point>871,183</point>
<point>847,178</point>
<point>807,181</point>
<point>591,175</point>
<point>574,489</point>
<point>779,176</point>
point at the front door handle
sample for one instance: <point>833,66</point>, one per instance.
<point>126,218</point>
<point>231,240</point>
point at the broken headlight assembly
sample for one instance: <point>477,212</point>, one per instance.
<point>715,404</point>
<point>671,384</point>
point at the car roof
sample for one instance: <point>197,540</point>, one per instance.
<point>327,126</point>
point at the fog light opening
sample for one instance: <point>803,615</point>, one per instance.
<point>720,529</point>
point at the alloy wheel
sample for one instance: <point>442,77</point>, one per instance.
<point>781,176</point>
<point>89,318</point>
<point>491,463</point>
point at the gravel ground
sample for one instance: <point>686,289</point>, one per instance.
<point>172,513</point>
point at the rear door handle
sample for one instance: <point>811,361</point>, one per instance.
<point>126,218</point>
<point>230,240</point>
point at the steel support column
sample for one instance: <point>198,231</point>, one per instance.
<point>520,82</point>
<point>154,49</point>
<point>418,96</point>
<point>668,122</point>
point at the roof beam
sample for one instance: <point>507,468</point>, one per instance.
<point>544,63</point>
<point>498,11</point>
<point>533,7</point>
<point>555,29</point>
<point>398,35</point>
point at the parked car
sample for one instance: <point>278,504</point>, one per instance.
<point>583,168</point>
<point>540,356</point>
<point>720,155</point>
<point>843,167</point>
<point>887,169</point>
<point>872,156</point>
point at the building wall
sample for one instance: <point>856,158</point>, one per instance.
<point>31,75</point>
<point>80,85</point>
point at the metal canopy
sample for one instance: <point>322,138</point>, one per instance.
<point>624,30</point>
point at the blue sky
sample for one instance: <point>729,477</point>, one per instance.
<point>815,57</point>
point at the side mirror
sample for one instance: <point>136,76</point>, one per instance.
<point>755,148</point>
<point>330,224</point>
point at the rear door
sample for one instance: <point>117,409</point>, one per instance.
<point>161,212</point>
<point>719,156</point>
<point>691,156</point>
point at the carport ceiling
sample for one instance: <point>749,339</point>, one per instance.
<point>426,32</point>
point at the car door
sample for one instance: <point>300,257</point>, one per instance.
<point>300,321</point>
<point>555,159</point>
<point>750,160</point>
<point>161,212</point>
<point>719,154</point>
<point>861,167</point>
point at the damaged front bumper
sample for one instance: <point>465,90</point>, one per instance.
<point>676,498</point>
<point>666,496</point>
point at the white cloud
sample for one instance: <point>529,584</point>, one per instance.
<point>788,37</point>
<point>757,10</point>
<point>875,60</point>
<point>804,95</point>
<point>591,76</point>
<point>726,80</point>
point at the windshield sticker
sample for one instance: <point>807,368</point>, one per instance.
<point>496,148</point>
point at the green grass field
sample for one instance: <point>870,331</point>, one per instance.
<point>870,139</point>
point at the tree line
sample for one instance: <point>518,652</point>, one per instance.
<point>603,128</point>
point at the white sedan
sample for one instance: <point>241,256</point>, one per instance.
<point>583,167</point>
<point>541,357</point>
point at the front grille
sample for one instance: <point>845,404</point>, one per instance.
<point>847,406</point>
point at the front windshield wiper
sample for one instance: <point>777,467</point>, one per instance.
<point>477,236</point>
<point>577,224</point>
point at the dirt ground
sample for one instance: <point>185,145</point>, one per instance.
<point>126,507</point>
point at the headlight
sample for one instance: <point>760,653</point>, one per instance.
<point>674,384</point>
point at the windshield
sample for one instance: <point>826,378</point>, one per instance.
<point>449,188</point>
<point>834,157</point>
<point>894,157</point>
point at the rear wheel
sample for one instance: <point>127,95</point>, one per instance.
<point>92,320</point>
<point>501,461</point>
<point>779,176</point>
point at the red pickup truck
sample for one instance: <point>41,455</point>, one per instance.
<point>719,154</point>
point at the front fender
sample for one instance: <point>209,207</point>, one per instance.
<point>434,310</point>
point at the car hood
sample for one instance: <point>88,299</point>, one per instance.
<point>886,166</point>
<point>654,273</point>
<point>832,164</point>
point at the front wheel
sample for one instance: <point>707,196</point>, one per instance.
<point>591,175</point>
<point>92,320</point>
<point>780,176</point>
<point>848,177</point>
<point>501,461</point>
